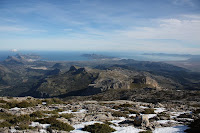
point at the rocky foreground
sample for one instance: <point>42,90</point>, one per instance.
<point>31,115</point>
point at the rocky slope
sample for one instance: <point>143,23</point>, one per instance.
<point>22,77</point>
<point>121,115</point>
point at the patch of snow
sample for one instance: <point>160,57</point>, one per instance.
<point>78,127</point>
<point>188,119</point>
<point>13,130</point>
<point>159,110</point>
<point>15,108</point>
<point>132,115</point>
<point>166,121</point>
<point>43,131</point>
<point>34,124</point>
<point>175,129</point>
<point>71,112</point>
<point>129,129</point>
<point>143,107</point>
<point>150,115</point>
<point>44,103</point>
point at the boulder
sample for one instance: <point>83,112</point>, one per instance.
<point>141,120</point>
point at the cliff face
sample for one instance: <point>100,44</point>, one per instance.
<point>123,79</point>
<point>82,81</point>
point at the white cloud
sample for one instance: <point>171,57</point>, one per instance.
<point>185,29</point>
<point>11,29</point>
<point>183,2</point>
<point>19,29</point>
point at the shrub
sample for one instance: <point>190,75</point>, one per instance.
<point>24,126</point>
<point>163,114</point>
<point>74,110</point>
<point>24,104</point>
<point>125,105</point>
<point>67,116</point>
<point>119,114</point>
<point>133,112</point>
<point>38,114</point>
<point>98,128</point>
<point>4,115</point>
<point>116,107</point>
<point>21,118</point>
<point>11,104</point>
<point>109,123</point>
<point>148,111</point>
<point>5,124</point>
<point>53,101</point>
<point>55,124</point>
<point>2,101</point>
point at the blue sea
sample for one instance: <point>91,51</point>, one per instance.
<point>77,55</point>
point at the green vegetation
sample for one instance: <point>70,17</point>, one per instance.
<point>5,124</point>
<point>109,123</point>
<point>2,101</point>
<point>67,116</point>
<point>55,124</point>
<point>52,101</point>
<point>119,114</point>
<point>148,111</point>
<point>12,120</point>
<point>24,126</point>
<point>38,114</point>
<point>22,104</point>
<point>4,115</point>
<point>21,118</point>
<point>98,128</point>
<point>163,114</point>
<point>133,112</point>
<point>74,110</point>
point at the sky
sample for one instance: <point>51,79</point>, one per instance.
<point>167,26</point>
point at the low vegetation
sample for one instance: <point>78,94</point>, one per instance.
<point>12,120</point>
<point>55,124</point>
<point>22,104</point>
<point>148,111</point>
<point>52,101</point>
<point>119,114</point>
<point>37,114</point>
<point>163,114</point>
<point>67,116</point>
<point>98,128</point>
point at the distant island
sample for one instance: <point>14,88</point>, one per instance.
<point>98,57</point>
<point>165,54</point>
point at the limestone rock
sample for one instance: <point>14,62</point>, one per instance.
<point>141,120</point>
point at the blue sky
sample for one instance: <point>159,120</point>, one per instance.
<point>170,26</point>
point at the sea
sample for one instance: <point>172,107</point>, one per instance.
<point>78,55</point>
